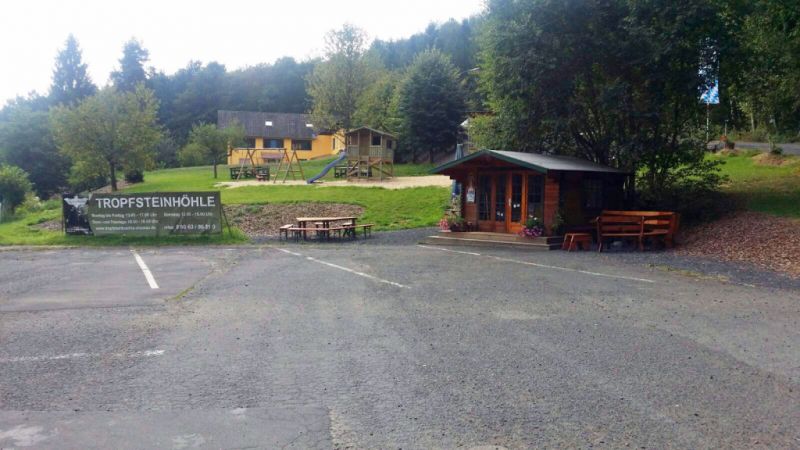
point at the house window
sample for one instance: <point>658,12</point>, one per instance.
<point>250,142</point>
<point>535,194</point>
<point>301,144</point>
<point>376,140</point>
<point>352,139</point>
<point>273,143</point>
<point>593,193</point>
<point>389,144</point>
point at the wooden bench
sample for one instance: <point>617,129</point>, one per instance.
<point>262,173</point>
<point>638,225</point>
<point>340,172</point>
<point>300,231</point>
<point>343,230</point>
<point>284,231</point>
<point>350,229</point>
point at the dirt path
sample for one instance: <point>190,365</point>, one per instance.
<point>393,183</point>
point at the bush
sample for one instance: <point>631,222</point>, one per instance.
<point>693,190</point>
<point>14,186</point>
<point>134,176</point>
<point>193,155</point>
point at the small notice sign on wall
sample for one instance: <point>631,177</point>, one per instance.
<point>471,195</point>
<point>156,214</point>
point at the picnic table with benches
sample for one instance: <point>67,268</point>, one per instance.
<point>324,227</point>
<point>260,173</point>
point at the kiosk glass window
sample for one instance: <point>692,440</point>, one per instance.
<point>516,197</point>
<point>484,197</point>
<point>535,191</point>
<point>500,199</point>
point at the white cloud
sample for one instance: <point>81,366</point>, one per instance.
<point>236,33</point>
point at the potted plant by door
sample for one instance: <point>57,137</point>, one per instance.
<point>456,223</point>
<point>533,228</point>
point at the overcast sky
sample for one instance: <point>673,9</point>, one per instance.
<point>236,33</point>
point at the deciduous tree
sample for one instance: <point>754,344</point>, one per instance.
<point>26,142</point>
<point>107,132</point>
<point>336,83</point>
<point>615,82</point>
<point>210,145</point>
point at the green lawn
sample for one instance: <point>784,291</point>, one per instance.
<point>769,189</point>
<point>23,231</point>
<point>387,209</point>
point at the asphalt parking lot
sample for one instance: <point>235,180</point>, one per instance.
<point>388,346</point>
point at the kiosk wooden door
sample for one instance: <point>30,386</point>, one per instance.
<point>515,202</point>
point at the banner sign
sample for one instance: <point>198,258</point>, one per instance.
<point>156,214</point>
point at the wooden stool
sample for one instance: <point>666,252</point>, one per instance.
<point>573,240</point>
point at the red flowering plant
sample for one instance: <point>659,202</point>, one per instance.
<point>444,225</point>
<point>533,228</point>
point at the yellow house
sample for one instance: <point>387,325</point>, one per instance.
<point>268,133</point>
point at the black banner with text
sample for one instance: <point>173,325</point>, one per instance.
<point>156,214</point>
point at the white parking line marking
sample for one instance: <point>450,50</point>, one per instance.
<point>346,269</point>
<point>448,250</point>
<point>544,266</point>
<point>142,354</point>
<point>146,271</point>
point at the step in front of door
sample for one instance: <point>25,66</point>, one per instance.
<point>479,242</point>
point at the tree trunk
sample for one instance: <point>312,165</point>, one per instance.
<point>215,170</point>
<point>113,173</point>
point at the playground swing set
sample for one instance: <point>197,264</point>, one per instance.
<point>369,155</point>
<point>285,162</point>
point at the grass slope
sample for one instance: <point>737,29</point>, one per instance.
<point>764,188</point>
<point>387,209</point>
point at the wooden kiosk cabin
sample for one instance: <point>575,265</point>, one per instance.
<point>370,153</point>
<point>501,189</point>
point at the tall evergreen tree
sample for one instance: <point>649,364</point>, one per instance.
<point>131,67</point>
<point>430,106</point>
<point>71,83</point>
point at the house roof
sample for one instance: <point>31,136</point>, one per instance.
<point>384,133</point>
<point>284,125</point>
<point>535,161</point>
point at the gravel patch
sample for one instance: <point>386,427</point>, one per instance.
<point>762,240</point>
<point>263,221</point>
